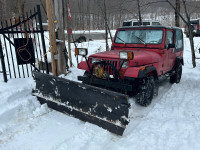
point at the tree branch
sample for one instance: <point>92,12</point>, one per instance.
<point>177,12</point>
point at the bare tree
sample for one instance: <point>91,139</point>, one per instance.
<point>41,3</point>
<point>190,30</point>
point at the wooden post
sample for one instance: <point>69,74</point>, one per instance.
<point>60,34</point>
<point>68,35</point>
<point>52,36</point>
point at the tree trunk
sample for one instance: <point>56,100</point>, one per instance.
<point>139,13</point>
<point>192,46</point>
<point>177,19</point>
<point>190,36</point>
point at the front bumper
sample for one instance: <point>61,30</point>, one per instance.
<point>109,83</point>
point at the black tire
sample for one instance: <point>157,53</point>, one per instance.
<point>176,77</point>
<point>145,91</point>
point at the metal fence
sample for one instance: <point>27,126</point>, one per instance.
<point>22,45</point>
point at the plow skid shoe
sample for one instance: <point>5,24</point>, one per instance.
<point>104,108</point>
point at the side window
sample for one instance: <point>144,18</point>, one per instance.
<point>169,38</point>
<point>145,23</point>
<point>156,23</point>
<point>135,23</point>
<point>179,40</point>
<point>127,23</point>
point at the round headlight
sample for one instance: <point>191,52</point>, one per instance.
<point>93,60</point>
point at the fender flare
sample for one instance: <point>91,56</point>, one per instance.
<point>147,70</point>
<point>83,65</point>
<point>179,59</point>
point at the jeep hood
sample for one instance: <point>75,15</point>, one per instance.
<point>141,57</point>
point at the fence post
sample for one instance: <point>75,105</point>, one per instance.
<point>42,37</point>
<point>3,64</point>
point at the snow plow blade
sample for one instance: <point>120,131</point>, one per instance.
<point>104,108</point>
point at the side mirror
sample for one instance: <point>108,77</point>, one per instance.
<point>171,46</point>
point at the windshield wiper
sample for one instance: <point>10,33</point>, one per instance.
<point>140,40</point>
<point>121,40</point>
<point>135,36</point>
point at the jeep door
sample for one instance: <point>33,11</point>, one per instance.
<point>178,50</point>
<point>168,51</point>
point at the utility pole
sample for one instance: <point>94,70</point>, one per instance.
<point>60,34</point>
<point>177,19</point>
<point>52,37</point>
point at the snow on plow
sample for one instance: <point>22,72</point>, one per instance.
<point>104,108</point>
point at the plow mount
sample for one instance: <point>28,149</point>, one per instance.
<point>102,107</point>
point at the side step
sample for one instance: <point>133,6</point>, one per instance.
<point>104,108</point>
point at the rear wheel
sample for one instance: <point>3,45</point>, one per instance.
<point>176,77</point>
<point>145,91</point>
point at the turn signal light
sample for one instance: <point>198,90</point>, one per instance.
<point>81,51</point>
<point>126,55</point>
<point>130,55</point>
<point>76,51</point>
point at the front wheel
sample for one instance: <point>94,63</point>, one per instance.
<point>176,77</point>
<point>145,91</point>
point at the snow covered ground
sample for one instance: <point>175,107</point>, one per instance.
<point>171,122</point>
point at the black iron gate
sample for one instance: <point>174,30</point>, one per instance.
<point>22,45</point>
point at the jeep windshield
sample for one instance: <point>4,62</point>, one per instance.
<point>139,36</point>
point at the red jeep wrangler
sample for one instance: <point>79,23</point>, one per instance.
<point>138,57</point>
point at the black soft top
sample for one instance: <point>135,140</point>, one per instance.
<point>146,27</point>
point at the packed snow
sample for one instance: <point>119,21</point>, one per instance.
<point>171,122</point>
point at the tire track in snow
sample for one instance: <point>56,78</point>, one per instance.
<point>138,113</point>
<point>17,107</point>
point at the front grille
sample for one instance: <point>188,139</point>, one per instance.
<point>109,69</point>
